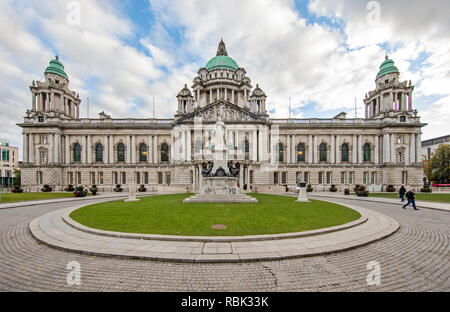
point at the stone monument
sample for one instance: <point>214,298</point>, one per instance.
<point>302,195</point>
<point>132,193</point>
<point>220,183</point>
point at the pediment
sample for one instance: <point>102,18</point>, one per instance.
<point>227,111</point>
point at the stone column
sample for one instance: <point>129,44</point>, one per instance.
<point>218,93</point>
<point>172,148</point>
<point>150,150</point>
<point>386,153</point>
<point>210,96</point>
<point>188,145</point>
<point>33,101</point>
<point>410,101</point>
<point>241,178</point>
<point>57,148</point>
<point>31,158</point>
<point>133,149</point>
<point>106,150</point>
<point>111,149</point>
<point>155,149</point>
<point>25,148</point>
<point>294,150</point>
<point>51,148</point>
<point>418,147</point>
<point>310,150</point>
<point>333,150</point>
<point>260,146</point>
<point>354,150</point>
<point>392,148</point>
<point>89,149</point>
<point>83,149</point>
<point>316,154</point>
<point>412,148</point>
<point>288,149</point>
<point>255,146</point>
<point>360,150</point>
<point>128,149</point>
<point>183,146</point>
<point>52,101</point>
<point>376,152</point>
<point>67,151</point>
<point>338,147</point>
<point>232,96</point>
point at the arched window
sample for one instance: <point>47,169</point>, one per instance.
<point>143,152</point>
<point>367,155</point>
<point>164,152</point>
<point>280,152</point>
<point>301,152</point>
<point>246,146</point>
<point>77,152</point>
<point>99,152</point>
<point>120,152</point>
<point>323,152</point>
<point>344,151</point>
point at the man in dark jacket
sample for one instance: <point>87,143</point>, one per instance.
<point>411,200</point>
<point>402,192</point>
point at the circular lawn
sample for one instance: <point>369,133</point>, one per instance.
<point>168,215</point>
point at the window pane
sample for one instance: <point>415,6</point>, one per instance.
<point>323,152</point>
<point>345,152</point>
<point>300,152</point>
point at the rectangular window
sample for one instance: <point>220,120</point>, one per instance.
<point>39,178</point>
<point>320,177</point>
<point>70,177</point>
<point>43,139</point>
<point>328,177</point>
<point>350,177</point>
<point>115,178</point>
<point>160,178</point>
<point>92,176</point>
<point>373,178</point>
<point>405,177</point>
<point>191,176</point>
<point>78,178</point>
<point>364,177</point>
<point>298,177</point>
<point>168,178</point>
<point>146,177</point>
<point>306,177</point>
<point>251,176</point>
<point>275,178</point>
<point>342,177</point>
<point>138,178</point>
<point>100,178</point>
<point>124,178</point>
<point>284,178</point>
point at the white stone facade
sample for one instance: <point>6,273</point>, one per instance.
<point>168,154</point>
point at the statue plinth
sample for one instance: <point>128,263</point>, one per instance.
<point>302,194</point>
<point>220,182</point>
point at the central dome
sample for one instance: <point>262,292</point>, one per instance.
<point>387,67</point>
<point>56,67</point>
<point>222,60</point>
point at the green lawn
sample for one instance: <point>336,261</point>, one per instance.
<point>17,197</point>
<point>167,214</point>
<point>444,198</point>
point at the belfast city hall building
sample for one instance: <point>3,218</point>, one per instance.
<point>169,155</point>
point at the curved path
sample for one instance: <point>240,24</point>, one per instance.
<point>415,258</point>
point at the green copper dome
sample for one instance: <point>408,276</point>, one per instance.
<point>57,68</point>
<point>221,60</point>
<point>387,68</point>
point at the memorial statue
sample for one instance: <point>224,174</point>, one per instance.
<point>219,142</point>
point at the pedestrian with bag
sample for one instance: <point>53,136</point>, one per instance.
<point>411,200</point>
<point>402,193</point>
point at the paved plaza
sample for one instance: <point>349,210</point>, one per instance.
<point>415,258</point>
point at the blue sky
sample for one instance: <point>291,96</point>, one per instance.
<point>321,54</point>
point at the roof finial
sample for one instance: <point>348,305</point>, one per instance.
<point>222,49</point>
<point>57,57</point>
<point>387,56</point>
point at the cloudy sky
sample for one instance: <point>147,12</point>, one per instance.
<point>321,53</point>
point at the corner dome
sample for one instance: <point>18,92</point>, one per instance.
<point>57,68</point>
<point>387,67</point>
<point>222,60</point>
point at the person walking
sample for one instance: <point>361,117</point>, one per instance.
<point>411,200</point>
<point>402,193</point>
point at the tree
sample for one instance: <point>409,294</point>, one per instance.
<point>437,169</point>
<point>17,180</point>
